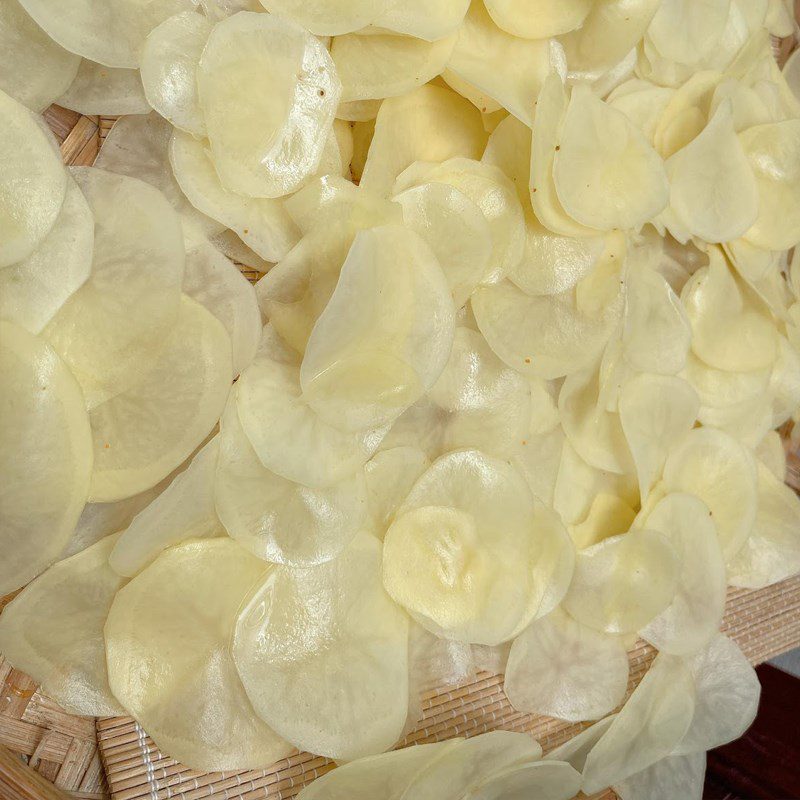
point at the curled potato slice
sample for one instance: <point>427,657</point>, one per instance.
<point>673,776</point>
<point>268,90</point>
<point>98,89</point>
<point>552,670</point>
<point>547,18</point>
<point>341,688</point>
<point>53,631</point>
<point>189,594</point>
<point>32,185</point>
<point>41,499</point>
<point>327,19</point>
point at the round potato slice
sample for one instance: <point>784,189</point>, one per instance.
<point>673,776</point>
<point>550,779</point>
<point>546,18</point>
<point>33,183</point>
<point>33,290</point>
<point>53,631</point>
<point>337,683</point>
<point>41,498</point>
<point>552,670</point>
<point>169,60</point>
<point>142,434</point>
<point>268,90</point>
<point>167,640</point>
<point>325,19</point>
<point>98,89</point>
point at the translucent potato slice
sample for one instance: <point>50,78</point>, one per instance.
<point>34,289</point>
<point>642,105</point>
<point>276,519</point>
<point>685,32</point>
<point>722,389</point>
<point>358,110</point>
<point>550,779</point>
<point>727,693</point>
<point>53,631</point>
<point>268,90</point>
<point>323,18</point>
<point>509,148</point>
<point>33,183</point>
<point>546,18</point>
<point>623,582</point>
<point>552,670</point>
<point>575,750</point>
<point>34,69</point>
<point>286,433</point>
<point>41,498</point>
<point>142,434</point>
<point>335,684</point>
<point>169,60</point>
<point>385,335</point>
<point>262,223</point>
<point>425,20</point>
<point>167,640</point>
<point>485,104</point>
<point>377,66</point>
<point>651,723</point>
<point>771,453</point>
<point>608,515</point>
<point>722,472</point>
<point>671,777</point>
<point>98,89</point>
<point>429,124</point>
<point>606,173</point>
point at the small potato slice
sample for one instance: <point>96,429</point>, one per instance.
<point>650,725</point>
<point>98,89</point>
<point>142,434</point>
<point>323,18</point>
<point>34,69</point>
<point>33,183</point>
<point>550,779</point>
<point>167,647</point>
<point>41,497</point>
<point>623,582</point>
<point>671,777</point>
<point>541,19</point>
<point>169,60</point>
<point>53,631</point>
<point>276,519</point>
<point>33,290</point>
<point>606,173</point>
<point>335,683</point>
<point>268,90</point>
<point>552,670</point>
<point>722,472</point>
<point>425,20</point>
<point>727,692</point>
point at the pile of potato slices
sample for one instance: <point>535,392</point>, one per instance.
<point>507,395</point>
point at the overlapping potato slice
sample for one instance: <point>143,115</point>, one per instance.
<point>334,683</point>
<point>545,779</point>
<point>720,388</point>
<point>608,515</point>
<point>41,498</point>
<point>54,631</point>
<point>167,640</point>
<point>673,776</point>
<point>685,32</point>
<point>325,19</point>
<point>553,670</point>
<point>550,17</point>
<point>575,750</point>
<point>143,433</point>
<point>268,91</point>
<point>425,20</point>
<point>98,89</point>
<point>650,725</point>
<point>34,289</point>
<point>32,185</point>
<point>385,335</point>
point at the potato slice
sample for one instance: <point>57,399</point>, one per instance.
<point>142,434</point>
<point>575,750</point>
<point>358,110</point>
<point>544,779</point>
<point>34,289</point>
<point>268,90</point>
<point>34,69</point>
<point>325,19</point>
<point>544,19</point>
<point>33,184</point>
<point>722,389</point>
<point>343,692</point>
<point>552,670</point>
<point>98,89</point>
<point>685,32</point>
<point>722,472</point>
<point>53,631</point>
<point>651,723</point>
<point>425,20</point>
<point>485,104</point>
<point>608,515</point>
<point>673,776</point>
<point>167,639</point>
<point>41,498</point>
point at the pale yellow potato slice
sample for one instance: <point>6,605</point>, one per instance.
<point>784,384</point>
<point>722,472</point>
<point>34,69</point>
<point>670,777</point>
<point>643,104</point>
<point>481,100</point>
<point>358,110</point>
<point>575,750</point>
<point>98,89</point>
<point>540,19</point>
<point>53,631</point>
<point>553,670</point>
<point>424,20</point>
<point>327,19</point>
<point>719,388</point>
<point>608,515</point>
<point>33,183</point>
<point>509,148</point>
<point>623,582</point>
<point>550,779</point>
<point>340,688</point>
<point>142,434</point>
<point>686,31</point>
<point>169,663</point>
<point>34,289</point>
<point>41,497</point>
<point>168,67</point>
<point>649,726</point>
<point>268,91</point>
<point>538,460</point>
<point>771,453</point>
<point>791,72</point>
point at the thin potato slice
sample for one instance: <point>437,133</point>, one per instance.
<point>575,750</point>
<point>167,640</point>
<point>671,777</point>
<point>53,631</point>
<point>335,684</point>
<point>685,32</point>
<point>358,110</point>
<point>541,20</point>
<point>771,453</point>
<point>41,498</point>
<point>552,670</point>
<point>550,779</point>
<point>268,90</point>
<point>98,89</point>
<point>719,388</point>
<point>485,104</point>
<point>608,515</point>
<point>425,20</point>
<point>323,18</point>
